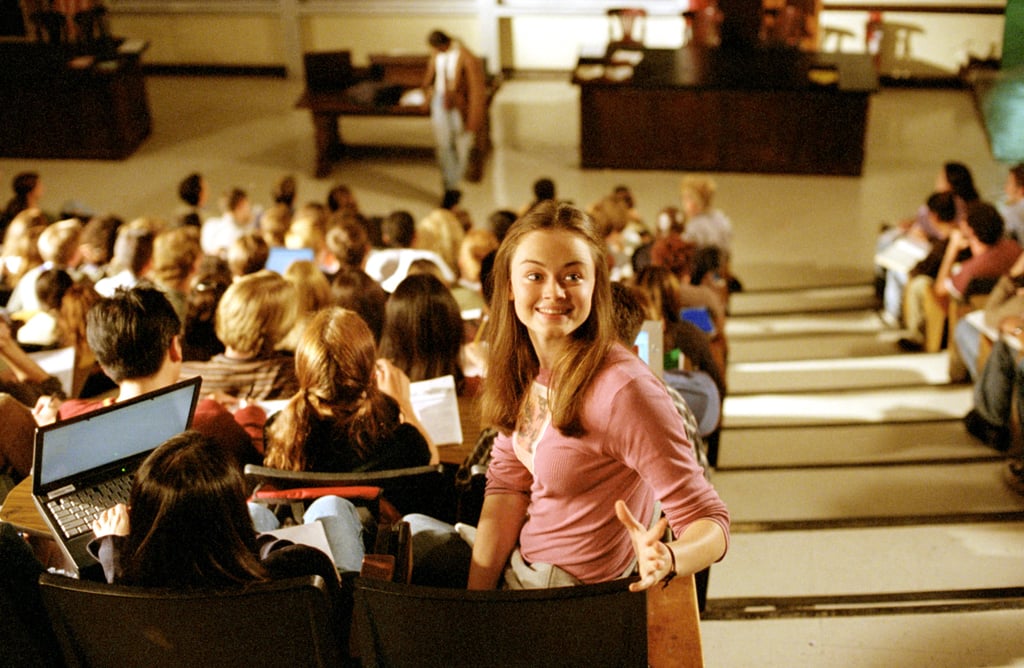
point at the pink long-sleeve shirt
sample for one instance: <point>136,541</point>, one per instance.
<point>635,449</point>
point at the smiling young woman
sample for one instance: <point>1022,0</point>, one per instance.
<point>588,437</point>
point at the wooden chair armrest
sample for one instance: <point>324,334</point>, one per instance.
<point>378,567</point>
<point>673,625</point>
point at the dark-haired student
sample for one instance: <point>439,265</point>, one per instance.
<point>991,255</point>
<point>187,526</point>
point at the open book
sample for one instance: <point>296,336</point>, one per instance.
<point>311,534</point>
<point>901,255</point>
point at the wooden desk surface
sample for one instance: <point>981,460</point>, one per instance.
<point>20,510</point>
<point>456,453</point>
<point>774,69</point>
<point>754,110</point>
<point>339,102</point>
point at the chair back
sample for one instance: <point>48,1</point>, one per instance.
<point>417,489</point>
<point>327,71</point>
<point>277,623</point>
<point>51,27</point>
<point>595,625</point>
<point>786,26</point>
<point>627,26</point>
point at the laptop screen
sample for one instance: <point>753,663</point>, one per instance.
<point>649,345</point>
<point>281,258</point>
<point>66,450</point>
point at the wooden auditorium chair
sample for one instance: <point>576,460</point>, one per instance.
<point>627,27</point>
<point>941,317</point>
<point>276,623</point>
<point>588,625</point>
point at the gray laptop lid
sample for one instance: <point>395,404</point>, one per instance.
<point>87,446</point>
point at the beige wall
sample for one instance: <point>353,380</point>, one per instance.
<point>363,34</point>
<point>530,41</point>
<point>205,39</point>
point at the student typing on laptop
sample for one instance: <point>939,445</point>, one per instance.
<point>135,337</point>
<point>159,540</point>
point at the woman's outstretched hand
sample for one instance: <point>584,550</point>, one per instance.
<point>652,555</point>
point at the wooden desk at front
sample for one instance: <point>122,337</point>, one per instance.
<point>20,510</point>
<point>726,110</point>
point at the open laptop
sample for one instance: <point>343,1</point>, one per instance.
<point>85,464</point>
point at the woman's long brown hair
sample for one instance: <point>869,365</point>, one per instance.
<point>513,364</point>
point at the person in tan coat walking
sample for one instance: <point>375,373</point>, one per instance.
<point>456,91</point>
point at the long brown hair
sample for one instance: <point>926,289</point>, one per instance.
<point>513,362</point>
<point>423,329</point>
<point>71,320</point>
<point>335,363</point>
<point>662,289</point>
<point>189,523</point>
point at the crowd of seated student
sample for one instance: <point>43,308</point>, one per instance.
<point>145,248</point>
<point>973,248</point>
<point>928,228</point>
<point>990,254</point>
<point>356,344</point>
<point>135,336</point>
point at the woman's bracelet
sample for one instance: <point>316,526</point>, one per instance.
<point>672,573</point>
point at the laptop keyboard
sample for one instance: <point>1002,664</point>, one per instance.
<point>75,512</point>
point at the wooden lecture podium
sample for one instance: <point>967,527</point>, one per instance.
<point>752,109</point>
<point>61,102</point>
